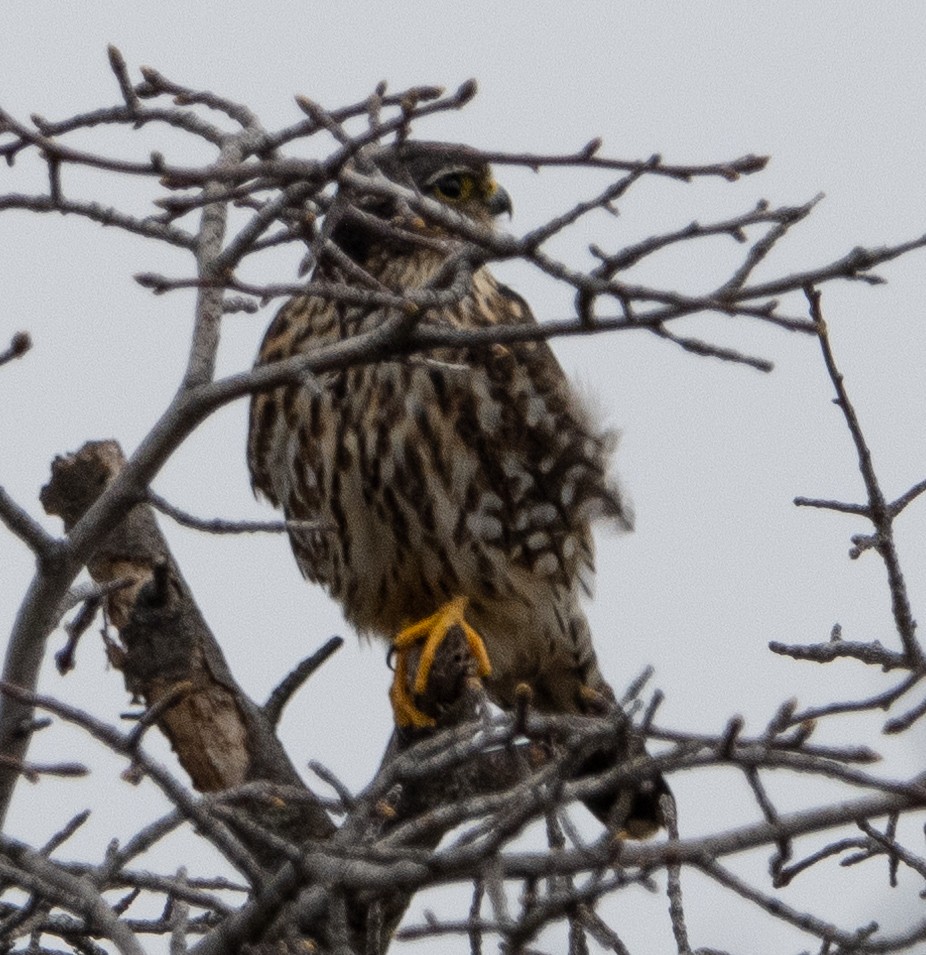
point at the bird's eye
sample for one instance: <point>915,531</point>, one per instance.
<point>454,187</point>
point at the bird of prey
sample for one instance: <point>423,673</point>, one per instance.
<point>455,487</point>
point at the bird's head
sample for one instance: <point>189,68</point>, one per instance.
<point>456,176</point>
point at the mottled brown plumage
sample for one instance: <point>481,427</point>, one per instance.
<point>455,473</point>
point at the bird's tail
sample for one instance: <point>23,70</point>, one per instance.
<point>634,809</point>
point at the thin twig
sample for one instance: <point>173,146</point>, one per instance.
<point>870,653</point>
<point>62,836</point>
<point>744,166</point>
<point>291,683</point>
<point>674,884</point>
<point>28,530</point>
<point>223,839</point>
<point>880,513</point>
<point>217,525</point>
<point>907,498</point>
<point>20,343</point>
<point>117,63</point>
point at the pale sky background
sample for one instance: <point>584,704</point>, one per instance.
<point>712,455</point>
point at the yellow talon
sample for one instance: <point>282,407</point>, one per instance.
<point>430,631</point>
<point>403,706</point>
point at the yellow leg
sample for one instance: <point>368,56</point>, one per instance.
<point>431,632</point>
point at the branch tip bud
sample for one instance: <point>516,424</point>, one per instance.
<point>467,91</point>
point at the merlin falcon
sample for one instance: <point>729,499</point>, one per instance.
<point>451,488</point>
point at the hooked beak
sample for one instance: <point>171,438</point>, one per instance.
<point>500,202</point>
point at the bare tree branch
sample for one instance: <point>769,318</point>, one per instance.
<point>880,513</point>
<point>20,343</point>
<point>29,531</point>
<point>445,806</point>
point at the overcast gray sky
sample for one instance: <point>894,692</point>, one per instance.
<point>712,455</point>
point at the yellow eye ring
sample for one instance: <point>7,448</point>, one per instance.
<point>454,187</point>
